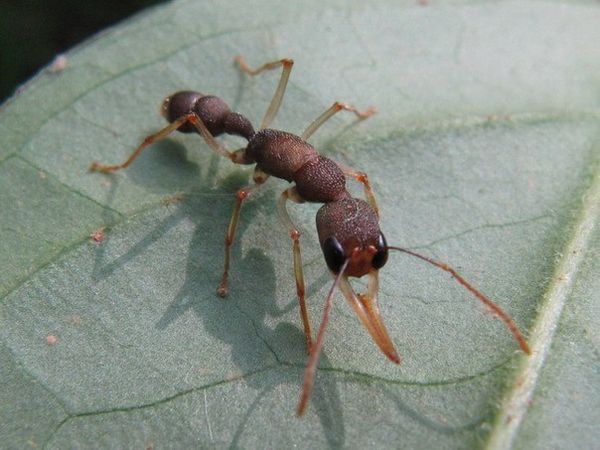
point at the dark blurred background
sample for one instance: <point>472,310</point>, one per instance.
<point>33,32</point>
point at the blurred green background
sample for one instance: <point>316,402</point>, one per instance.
<point>33,32</point>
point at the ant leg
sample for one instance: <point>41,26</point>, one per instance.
<point>259,178</point>
<point>329,113</point>
<point>97,167</point>
<point>287,64</point>
<point>311,366</point>
<point>237,157</point>
<point>361,177</point>
<point>292,194</point>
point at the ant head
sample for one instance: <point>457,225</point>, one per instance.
<point>349,230</point>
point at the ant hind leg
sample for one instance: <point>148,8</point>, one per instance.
<point>97,167</point>
<point>287,64</point>
<point>331,111</point>
<point>236,157</point>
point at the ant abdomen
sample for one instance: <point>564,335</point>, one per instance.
<point>214,113</point>
<point>178,105</point>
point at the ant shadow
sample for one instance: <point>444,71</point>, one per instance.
<point>325,400</point>
<point>201,269</point>
<point>436,426</point>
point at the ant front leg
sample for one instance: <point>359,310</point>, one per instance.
<point>287,64</point>
<point>259,178</point>
<point>292,194</point>
<point>331,111</point>
<point>236,157</point>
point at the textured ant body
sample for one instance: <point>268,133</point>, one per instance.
<point>348,227</point>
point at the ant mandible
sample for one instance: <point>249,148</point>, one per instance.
<point>348,227</point>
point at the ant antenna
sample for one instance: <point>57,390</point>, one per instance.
<point>315,350</point>
<point>499,312</point>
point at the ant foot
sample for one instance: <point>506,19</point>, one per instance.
<point>97,167</point>
<point>222,290</point>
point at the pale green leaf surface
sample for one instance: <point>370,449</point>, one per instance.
<point>484,154</point>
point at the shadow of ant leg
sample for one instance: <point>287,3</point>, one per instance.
<point>287,64</point>
<point>331,111</point>
<point>259,178</point>
<point>292,194</point>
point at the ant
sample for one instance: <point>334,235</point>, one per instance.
<point>347,227</point>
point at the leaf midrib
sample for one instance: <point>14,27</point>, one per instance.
<point>515,403</point>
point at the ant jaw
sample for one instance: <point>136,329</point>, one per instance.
<point>366,308</point>
<point>361,262</point>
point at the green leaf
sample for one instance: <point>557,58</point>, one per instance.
<point>484,154</point>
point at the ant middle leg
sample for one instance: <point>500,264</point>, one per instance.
<point>331,111</point>
<point>292,194</point>
<point>259,178</point>
<point>236,157</point>
<point>287,64</point>
<point>362,178</point>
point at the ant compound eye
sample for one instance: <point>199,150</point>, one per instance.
<point>334,254</point>
<point>381,256</point>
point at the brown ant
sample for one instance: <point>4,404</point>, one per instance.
<point>348,227</point>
